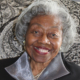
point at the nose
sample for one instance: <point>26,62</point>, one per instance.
<point>44,39</point>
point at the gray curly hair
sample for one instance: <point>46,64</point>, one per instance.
<point>47,7</point>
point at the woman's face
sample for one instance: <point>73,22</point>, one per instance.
<point>44,38</point>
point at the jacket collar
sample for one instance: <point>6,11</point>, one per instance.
<point>21,69</point>
<point>55,69</point>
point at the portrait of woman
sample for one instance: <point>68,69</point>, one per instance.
<point>46,30</point>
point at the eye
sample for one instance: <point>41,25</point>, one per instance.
<point>36,32</point>
<point>53,35</point>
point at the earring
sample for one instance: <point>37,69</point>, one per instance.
<point>24,45</point>
<point>24,42</point>
<point>60,48</point>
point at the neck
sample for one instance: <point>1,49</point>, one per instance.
<point>38,67</point>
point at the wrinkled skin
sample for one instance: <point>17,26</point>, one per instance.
<point>44,33</point>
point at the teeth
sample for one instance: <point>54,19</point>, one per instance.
<point>42,50</point>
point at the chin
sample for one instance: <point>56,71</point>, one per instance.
<point>41,60</point>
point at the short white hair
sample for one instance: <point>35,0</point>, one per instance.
<point>47,7</point>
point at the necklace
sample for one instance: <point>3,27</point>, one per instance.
<point>38,75</point>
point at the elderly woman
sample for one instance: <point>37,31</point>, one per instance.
<point>46,29</point>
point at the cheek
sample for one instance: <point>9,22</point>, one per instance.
<point>30,40</point>
<point>56,44</point>
<point>59,42</point>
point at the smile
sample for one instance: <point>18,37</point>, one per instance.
<point>41,51</point>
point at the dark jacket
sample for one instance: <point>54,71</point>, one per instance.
<point>71,67</point>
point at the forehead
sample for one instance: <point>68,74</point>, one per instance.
<point>46,20</point>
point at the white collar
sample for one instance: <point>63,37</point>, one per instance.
<point>21,69</point>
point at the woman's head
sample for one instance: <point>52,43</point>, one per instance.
<point>44,37</point>
<point>47,8</point>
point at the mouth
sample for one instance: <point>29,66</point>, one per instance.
<point>42,50</point>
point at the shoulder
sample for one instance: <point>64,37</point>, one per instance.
<point>73,68</point>
<point>7,62</point>
<point>4,63</point>
<point>71,65</point>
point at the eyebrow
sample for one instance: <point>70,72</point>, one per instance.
<point>55,27</point>
<point>36,24</point>
<point>42,26</point>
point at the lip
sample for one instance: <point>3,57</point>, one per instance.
<point>42,47</point>
<point>41,53</point>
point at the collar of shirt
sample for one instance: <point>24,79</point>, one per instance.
<point>21,69</point>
